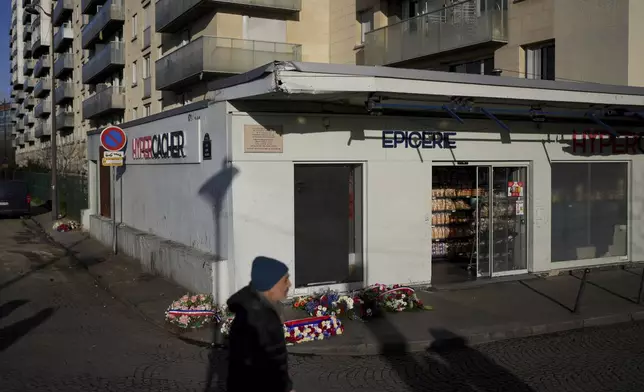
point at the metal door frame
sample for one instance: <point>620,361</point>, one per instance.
<point>528,195</point>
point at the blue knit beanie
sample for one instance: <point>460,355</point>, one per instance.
<point>266,272</point>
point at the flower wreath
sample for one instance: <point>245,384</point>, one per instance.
<point>192,311</point>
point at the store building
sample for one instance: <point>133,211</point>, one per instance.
<point>358,175</point>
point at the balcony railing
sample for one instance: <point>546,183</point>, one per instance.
<point>111,57</point>
<point>42,66</point>
<point>43,128</point>
<point>29,136</point>
<point>62,11</point>
<point>27,30</point>
<point>64,120</point>
<point>147,87</point>
<point>111,16</point>
<point>20,139</point>
<point>63,37</point>
<point>29,84</point>
<point>461,25</point>
<point>147,37</point>
<point>64,92</point>
<point>30,102</point>
<point>29,119</point>
<point>209,57</point>
<point>26,52</point>
<point>41,41</point>
<point>28,67</point>
<point>43,109</point>
<point>171,15</point>
<point>43,87</point>
<point>63,64</point>
<point>106,100</point>
<point>89,6</point>
<point>20,96</point>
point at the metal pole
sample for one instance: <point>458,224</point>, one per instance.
<point>113,194</point>
<point>5,160</point>
<point>54,135</point>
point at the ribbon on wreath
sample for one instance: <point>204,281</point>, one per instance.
<point>194,312</point>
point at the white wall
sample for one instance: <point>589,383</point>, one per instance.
<point>397,187</point>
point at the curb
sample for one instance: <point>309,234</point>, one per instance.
<point>366,349</point>
<point>121,299</point>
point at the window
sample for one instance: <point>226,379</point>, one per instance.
<point>478,67</point>
<point>366,23</point>
<point>135,25</point>
<point>540,62</point>
<point>134,73</point>
<point>146,110</point>
<point>146,17</point>
<point>146,67</point>
<point>589,210</point>
<point>134,110</point>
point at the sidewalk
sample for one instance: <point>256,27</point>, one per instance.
<point>480,314</point>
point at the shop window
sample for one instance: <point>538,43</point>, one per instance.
<point>540,62</point>
<point>589,210</point>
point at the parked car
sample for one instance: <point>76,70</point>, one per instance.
<point>15,199</point>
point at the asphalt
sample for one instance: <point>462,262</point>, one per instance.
<point>529,306</point>
<point>61,330</point>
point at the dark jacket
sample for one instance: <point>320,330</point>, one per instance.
<point>258,360</point>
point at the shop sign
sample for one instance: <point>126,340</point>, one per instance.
<point>515,188</point>
<point>418,139</point>
<point>602,143</point>
<point>160,146</point>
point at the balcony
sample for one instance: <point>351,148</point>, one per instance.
<point>63,38</point>
<point>62,11</point>
<point>43,109</point>
<point>30,102</point>
<point>105,101</point>
<point>21,111</point>
<point>26,18</point>
<point>42,66</point>
<point>20,139</point>
<point>172,15</point>
<point>110,18</point>
<point>28,68</point>
<point>27,30</point>
<point>111,57</point>
<point>63,65</point>
<point>209,57</point>
<point>40,45</point>
<point>20,96</point>
<point>43,128</point>
<point>43,87</point>
<point>29,119</point>
<point>29,84</point>
<point>26,52</point>
<point>147,87</point>
<point>147,37</point>
<point>29,136</point>
<point>459,26</point>
<point>89,6</point>
<point>64,120</point>
<point>64,92</point>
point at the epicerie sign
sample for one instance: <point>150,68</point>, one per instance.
<point>418,139</point>
<point>160,146</point>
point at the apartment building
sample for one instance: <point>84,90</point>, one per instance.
<point>118,60</point>
<point>575,40</point>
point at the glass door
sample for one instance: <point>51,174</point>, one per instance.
<point>508,221</point>
<point>482,219</point>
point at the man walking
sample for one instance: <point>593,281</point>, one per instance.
<point>258,357</point>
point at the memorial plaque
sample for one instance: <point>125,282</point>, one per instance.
<point>258,138</point>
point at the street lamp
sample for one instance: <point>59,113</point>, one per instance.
<point>54,147</point>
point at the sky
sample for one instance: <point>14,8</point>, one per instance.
<point>5,65</point>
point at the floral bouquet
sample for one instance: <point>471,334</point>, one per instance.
<point>328,303</point>
<point>192,311</point>
<point>397,298</point>
<point>313,328</point>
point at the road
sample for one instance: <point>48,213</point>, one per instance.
<point>60,332</point>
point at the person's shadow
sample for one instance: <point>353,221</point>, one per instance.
<point>474,370</point>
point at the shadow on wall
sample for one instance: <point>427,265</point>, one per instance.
<point>214,192</point>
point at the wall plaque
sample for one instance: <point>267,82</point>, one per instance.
<point>258,138</point>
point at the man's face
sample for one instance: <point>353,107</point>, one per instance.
<point>279,292</point>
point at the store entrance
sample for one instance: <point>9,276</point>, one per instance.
<point>478,222</point>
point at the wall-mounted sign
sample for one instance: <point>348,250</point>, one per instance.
<point>418,139</point>
<point>258,138</point>
<point>206,148</point>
